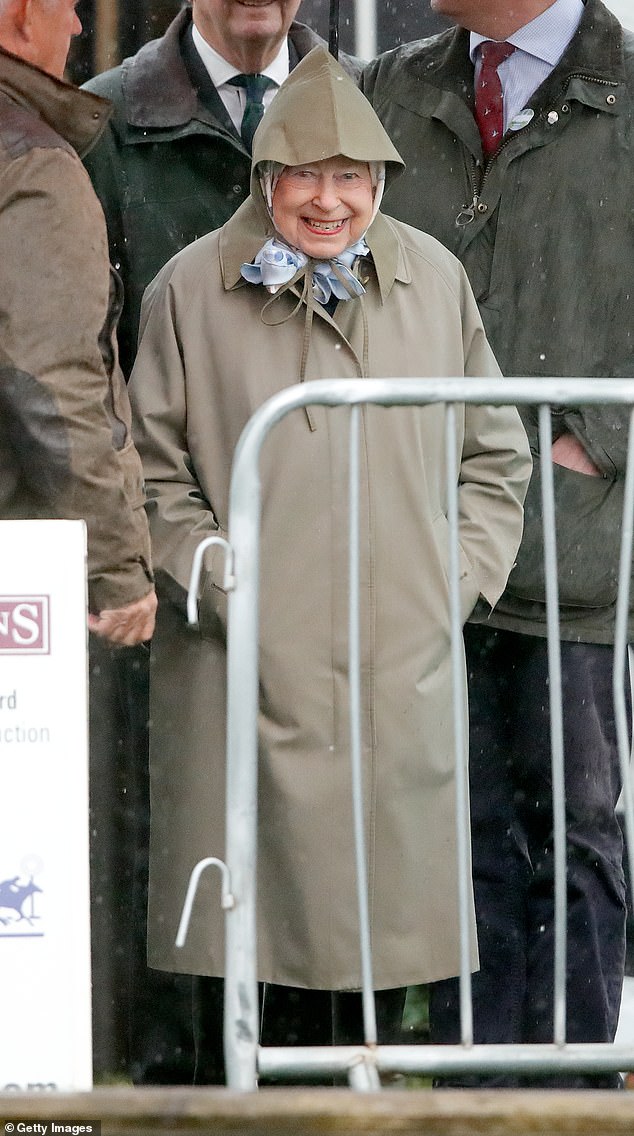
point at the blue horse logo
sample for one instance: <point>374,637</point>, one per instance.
<point>13,896</point>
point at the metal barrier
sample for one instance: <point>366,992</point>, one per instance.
<point>362,1064</point>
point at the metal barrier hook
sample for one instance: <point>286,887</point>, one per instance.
<point>229,581</point>
<point>227,899</point>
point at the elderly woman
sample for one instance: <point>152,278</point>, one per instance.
<point>310,280</point>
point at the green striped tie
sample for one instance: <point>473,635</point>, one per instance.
<point>255,86</point>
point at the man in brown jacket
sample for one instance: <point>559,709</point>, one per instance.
<point>65,443</point>
<point>65,419</point>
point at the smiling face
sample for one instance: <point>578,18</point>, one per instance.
<point>323,207</point>
<point>247,33</point>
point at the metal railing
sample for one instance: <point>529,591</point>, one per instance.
<point>362,1064</point>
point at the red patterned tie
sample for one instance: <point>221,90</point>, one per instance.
<point>489,103</point>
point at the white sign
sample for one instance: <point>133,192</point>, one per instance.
<point>45,1005</point>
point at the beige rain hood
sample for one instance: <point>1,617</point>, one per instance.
<point>342,122</point>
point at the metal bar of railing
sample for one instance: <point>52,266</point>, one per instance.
<point>448,1060</point>
<point>241,1022</point>
<point>460,740</point>
<point>556,722</point>
<point>244,1056</point>
<point>354,673</point>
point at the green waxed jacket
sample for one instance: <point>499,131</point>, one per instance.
<point>549,252</point>
<point>168,168</point>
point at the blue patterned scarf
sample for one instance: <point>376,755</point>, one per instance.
<point>277,263</point>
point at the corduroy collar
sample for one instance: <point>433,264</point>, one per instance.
<point>79,117</point>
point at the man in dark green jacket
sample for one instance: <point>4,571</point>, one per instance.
<point>545,229</point>
<point>171,166</point>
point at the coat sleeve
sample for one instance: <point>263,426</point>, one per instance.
<point>179,513</point>
<point>35,446</point>
<point>54,280</point>
<point>495,469</point>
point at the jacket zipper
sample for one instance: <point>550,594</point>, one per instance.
<point>468,212</point>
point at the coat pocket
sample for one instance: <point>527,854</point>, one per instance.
<point>589,512</point>
<point>469,589</point>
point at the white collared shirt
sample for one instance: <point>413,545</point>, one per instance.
<point>220,72</point>
<point>540,45</point>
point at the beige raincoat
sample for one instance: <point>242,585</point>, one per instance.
<point>207,360</point>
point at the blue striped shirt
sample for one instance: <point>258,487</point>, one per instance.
<point>540,45</point>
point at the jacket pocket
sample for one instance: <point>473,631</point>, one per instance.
<point>589,512</point>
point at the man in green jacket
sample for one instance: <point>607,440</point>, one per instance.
<point>173,164</point>
<point>539,209</point>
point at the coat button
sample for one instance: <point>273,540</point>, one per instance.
<point>553,117</point>
<point>611,99</point>
<point>483,207</point>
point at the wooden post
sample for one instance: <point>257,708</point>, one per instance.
<point>106,34</point>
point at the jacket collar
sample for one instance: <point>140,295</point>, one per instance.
<point>242,237</point>
<point>157,90</point>
<point>594,56</point>
<point>79,117</point>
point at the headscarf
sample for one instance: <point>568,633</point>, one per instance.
<point>278,262</point>
<point>318,113</point>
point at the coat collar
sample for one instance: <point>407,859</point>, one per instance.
<point>243,236</point>
<point>157,90</point>
<point>79,117</point>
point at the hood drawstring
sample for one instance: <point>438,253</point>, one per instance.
<point>307,297</point>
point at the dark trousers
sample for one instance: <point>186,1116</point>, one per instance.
<point>293,1016</point>
<point>512,838</point>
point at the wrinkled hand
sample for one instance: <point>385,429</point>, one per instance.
<point>126,626</point>
<point>569,452</point>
